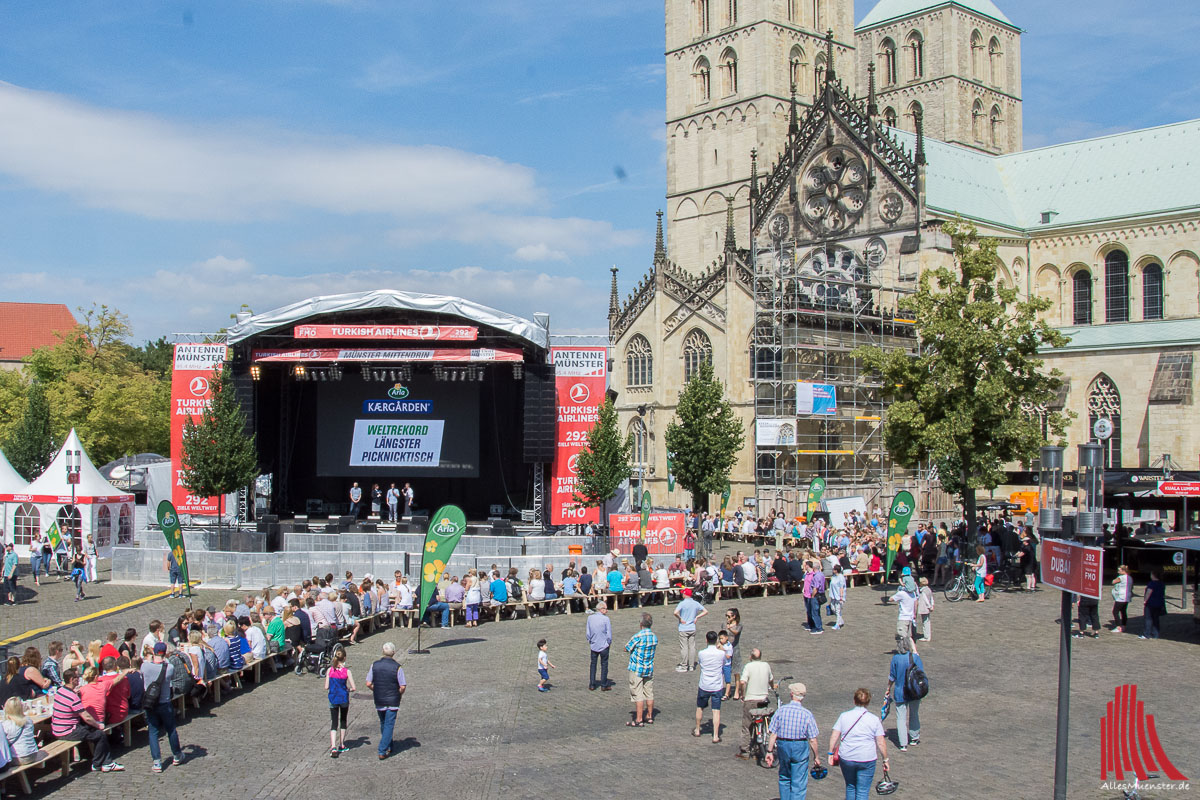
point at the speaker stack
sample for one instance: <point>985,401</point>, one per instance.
<point>540,408</point>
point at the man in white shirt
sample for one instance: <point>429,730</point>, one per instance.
<point>749,571</point>
<point>255,636</point>
<point>904,622</point>
<point>757,680</point>
<point>712,685</point>
<point>393,502</point>
<point>408,499</point>
<point>749,526</point>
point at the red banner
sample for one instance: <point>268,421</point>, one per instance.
<point>334,354</point>
<point>664,533</point>
<point>579,381</point>
<point>457,333</point>
<point>1179,488</point>
<point>1072,567</point>
<point>194,365</point>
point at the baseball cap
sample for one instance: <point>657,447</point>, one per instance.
<point>906,571</point>
<point>160,648</point>
<point>687,592</point>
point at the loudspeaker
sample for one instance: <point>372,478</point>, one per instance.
<point>540,413</point>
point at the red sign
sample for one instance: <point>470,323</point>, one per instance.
<point>334,354</point>
<point>194,365</point>
<point>579,382</point>
<point>1072,567</point>
<point>457,333</point>
<point>1179,488</point>
<point>664,532</point>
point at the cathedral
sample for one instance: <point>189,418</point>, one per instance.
<point>811,163</point>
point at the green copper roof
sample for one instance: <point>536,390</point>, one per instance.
<point>1131,335</point>
<point>888,10</point>
<point>1134,174</point>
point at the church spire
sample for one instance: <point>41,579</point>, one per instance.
<point>829,73</point>
<point>919,119</point>
<point>872,105</point>
<point>753,173</point>
<point>730,236</point>
<point>613,301</point>
<point>793,124</point>
<point>660,250</point>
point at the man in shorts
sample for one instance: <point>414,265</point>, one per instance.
<point>712,685</point>
<point>641,649</point>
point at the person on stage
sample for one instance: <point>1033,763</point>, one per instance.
<point>355,499</point>
<point>393,502</point>
<point>376,500</point>
<point>408,499</point>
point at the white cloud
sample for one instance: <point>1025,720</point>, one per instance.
<point>140,164</point>
<point>393,71</point>
<point>530,238</point>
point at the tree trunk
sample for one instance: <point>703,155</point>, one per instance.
<point>969,512</point>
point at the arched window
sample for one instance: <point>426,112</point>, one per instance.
<point>103,527</point>
<point>977,120</point>
<point>887,58</point>
<point>729,71</point>
<point>1152,291</point>
<point>697,350</point>
<point>1081,298</point>
<point>702,17</point>
<point>914,111</point>
<point>125,525</point>
<point>703,75</point>
<point>995,127</point>
<point>995,62</point>
<point>766,362</point>
<point>916,55</point>
<point>731,12</point>
<point>639,362</point>
<point>1104,401</point>
<point>796,64</point>
<point>26,522</point>
<point>976,55</point>
<point>640,440</point>
<point>819,73</point>
<point>1116,287</point>
<point>69,524</point>
<point>889,117</point>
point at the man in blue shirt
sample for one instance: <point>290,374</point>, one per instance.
<point>794,743</point>
<point>599,636</point>
<point>641,672</point>
<point>908,720</point>
<point>687,612</point>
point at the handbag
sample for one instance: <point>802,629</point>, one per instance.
<point>834,758</point>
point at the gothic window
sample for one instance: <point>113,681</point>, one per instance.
<point>640,440</point>
<point>69,524</point>
<point>1081,298</point>
<point>995,61</point>
<point>703,75</point>
<point>887,55</point>
<point>697,350</point>
<point>818,15</point>
<point>639,362</point>
<point>701,17</point>
<point>766,362</point>
<point>916,55</point>
<point>731,12</point>
<point>1152,291</point>
<point>103,527</point>
<point>914,111</point>
<point>796,69</point>
<point>889,117</point>
<point>819,73</point>
<point>729,71</point>
<point>1104,402</point>
<point>125,525</point>
<point>995,127</point>
<point>26,522</point>
<point>977,120</point>
<point>1116,287</point>
<point>976,55</point>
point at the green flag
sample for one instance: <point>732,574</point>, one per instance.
<point>902,510</point>
<point>54,535</point>
<point>725,499</point>
<point>670,475</point>
<point>446,527</point>
<point>645,513</point>
<point>816,489</point>
<point>168,520</point>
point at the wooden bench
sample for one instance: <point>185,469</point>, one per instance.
<point>852,577</point>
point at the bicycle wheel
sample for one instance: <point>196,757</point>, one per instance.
<point>759,743</point>
<point>955,591</point>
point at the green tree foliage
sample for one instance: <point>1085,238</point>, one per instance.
<point>604,464</point>
<point>704,437</point>
<point>154,357</point>
<point>961,403</point>
<point>218,455</point>
<point>96,384</point>
<point>30,447</point>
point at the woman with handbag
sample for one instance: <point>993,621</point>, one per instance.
<point>1121,592</point>
<point>856,736</point>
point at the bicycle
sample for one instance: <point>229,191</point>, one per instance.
<point>963,585</point>
<point>759,729</point>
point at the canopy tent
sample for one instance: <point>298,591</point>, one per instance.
<point>89,507</point>
<point>11,483</point>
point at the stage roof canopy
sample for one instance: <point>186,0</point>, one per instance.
<point>390,299</point>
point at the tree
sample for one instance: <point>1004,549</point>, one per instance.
<point>604,464</point>
<point>30,447</point>
<point>218,455</point>
<point>155,357</point>
<point>704,438</point>
<point>961,403</point>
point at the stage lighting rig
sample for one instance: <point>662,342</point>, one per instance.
<point>255,372</point>
<point>518,371</point>
<point>365,371</point>
<point>300,372</point>
<point>335,372</point>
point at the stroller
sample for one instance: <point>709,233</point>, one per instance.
<point>317,655</point>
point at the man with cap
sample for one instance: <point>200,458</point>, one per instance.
<point>793,744</point>
<point>160,715</point>
<point>906,598</point>
<point>687,612</point>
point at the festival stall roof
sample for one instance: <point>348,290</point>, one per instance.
<point>1189,542</point>
<point>284,316</point>
<point>11,481</point>
<point>52,485</point>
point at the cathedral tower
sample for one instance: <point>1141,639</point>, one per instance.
<point>958,62</point>
<point>730,68</point>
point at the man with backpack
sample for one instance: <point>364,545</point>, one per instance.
<point>907,684</point>
<point>159,677</point>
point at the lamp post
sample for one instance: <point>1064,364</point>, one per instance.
<point>73,460</point>
<point>1050,497</point>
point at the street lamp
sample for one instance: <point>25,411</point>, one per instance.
<point>1050,491</point>
<point>1090,516</point>
<point>74,460</point>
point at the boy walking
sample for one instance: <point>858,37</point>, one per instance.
<point>544,666</point>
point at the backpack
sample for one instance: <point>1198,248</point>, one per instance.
<point>916,684</point>
<point>182,681</point>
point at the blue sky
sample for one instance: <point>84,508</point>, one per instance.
<point>176,160</point>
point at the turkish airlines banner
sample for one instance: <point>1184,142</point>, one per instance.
<point>456,333</point>
<point>664,533</point>
<point>194,365</point>
<point>332,354</point>
<point>579,382</point>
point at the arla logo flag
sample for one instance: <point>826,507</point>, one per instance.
<point>902,508</point>
<point>398,392</point>
<point>169,520</point>
<point>444,527</point>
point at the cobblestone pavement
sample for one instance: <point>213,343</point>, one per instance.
<point>473,725</point>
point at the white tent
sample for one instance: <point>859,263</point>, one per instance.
<point>11,484</point>
<point>100,509</point>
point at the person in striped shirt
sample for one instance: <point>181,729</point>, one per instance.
<point>641,649</point>
<point>70,720</point>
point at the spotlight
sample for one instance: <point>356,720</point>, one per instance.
<point>299,372</point>
<point>365,371</point>
<point>518,371</point>
<point>255,372</point>
<point>335,372</point>
<point>323,375</point>
<point>406,373</point>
